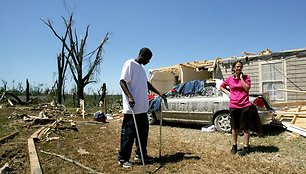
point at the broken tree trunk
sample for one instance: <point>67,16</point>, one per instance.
<point>27,91</point>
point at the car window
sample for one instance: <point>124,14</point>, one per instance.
<point>211,91</point>
<point>194,88</point>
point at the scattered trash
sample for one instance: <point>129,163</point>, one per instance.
<point>99,116</point>
<point>209,129</point>
<point>52,138</point>
<point>109,116</point>
<point>82,151</point>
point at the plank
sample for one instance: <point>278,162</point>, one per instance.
<point>283,104</point>
<point>295,129</point>
<point>291,90</point>
<point>34,161</point>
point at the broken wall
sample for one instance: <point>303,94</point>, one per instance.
<point>189,74</point>
<point>163,81</point>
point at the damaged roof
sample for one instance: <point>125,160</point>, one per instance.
<point>209,65</point>
<point>266,54</point>
<point>196,65</point>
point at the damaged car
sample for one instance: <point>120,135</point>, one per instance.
<point>202,102</point>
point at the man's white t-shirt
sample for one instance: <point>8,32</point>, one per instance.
<point>135,77</point>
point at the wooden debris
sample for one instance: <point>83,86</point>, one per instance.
<point>293,119</point>
<point>295,129</point>
<point>93,122</point>
<point>34,161</point>
<point>5,168</point>
<point>290,90</point>
<point>72,161</point>
<point>52,138</point>
<point>286,104</point>
<point>82,106</point>
<point>10,136</point>
<point>35,135</point>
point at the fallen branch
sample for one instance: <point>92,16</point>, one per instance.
<point>93,122</point>
<point>14,143</point>
<point>3,139</point>
<point>72,161</point>
<point>5,168</point>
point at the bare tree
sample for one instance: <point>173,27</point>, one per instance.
<point>4,85</point>
<point>82,66</point>
<point>20,87</point>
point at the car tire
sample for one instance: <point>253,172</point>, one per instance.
<point>222,122</point>
<point>151,117</point>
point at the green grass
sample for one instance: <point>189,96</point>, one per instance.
<point>4,129</point>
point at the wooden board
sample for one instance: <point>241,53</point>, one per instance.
<point>34,161</point>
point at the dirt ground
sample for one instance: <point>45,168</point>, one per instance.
<point>185,149</point>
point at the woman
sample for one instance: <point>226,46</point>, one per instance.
<point>239,85</point>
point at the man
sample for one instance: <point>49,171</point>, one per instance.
<point>135,86</point>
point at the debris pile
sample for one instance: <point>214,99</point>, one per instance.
<point>293,117</point>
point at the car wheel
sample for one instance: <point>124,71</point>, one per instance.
<point>151,117</point>
<point>222,122</point>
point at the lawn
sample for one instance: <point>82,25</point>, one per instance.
<point>185,149</point>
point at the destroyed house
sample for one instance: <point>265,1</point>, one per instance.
<point>166,77</point>
<point>275,73</point>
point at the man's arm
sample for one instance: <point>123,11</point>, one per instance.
<point>127,93</point>
<point>151,88</point>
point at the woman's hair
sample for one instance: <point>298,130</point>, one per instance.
<point>234,64</point>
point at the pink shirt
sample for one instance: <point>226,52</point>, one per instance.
<point>239,98</point>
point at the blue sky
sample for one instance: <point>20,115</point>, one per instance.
<point>177,31</point>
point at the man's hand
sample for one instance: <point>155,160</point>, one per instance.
<point>164,96</point>
<point>131,102</point>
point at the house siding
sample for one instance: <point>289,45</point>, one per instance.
<point>296,74</point>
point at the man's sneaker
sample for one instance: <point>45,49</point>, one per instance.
<point>234,149</point>
<point>125,164</point>
<point>147,159</point>
<point>244,151</point>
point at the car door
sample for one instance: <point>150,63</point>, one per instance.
<point>203,107</point>
<point>178,109</point>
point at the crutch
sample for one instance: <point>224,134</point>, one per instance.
<point>139,143</point>
<point>160,125</point>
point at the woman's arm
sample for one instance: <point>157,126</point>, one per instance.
<point>225,91</point>
<point>244,84</point>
